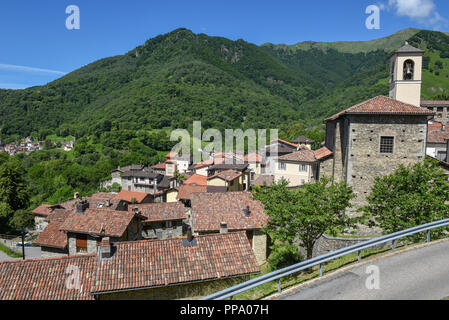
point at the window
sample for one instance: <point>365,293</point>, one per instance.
<point>386,144</point>
<point>81,243</point>
<point>282,166</point>
<point>303,168</point>
<point>409,67</point>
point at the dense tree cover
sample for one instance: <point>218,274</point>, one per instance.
<point>306,213</point>
<point>14,197</point>
<point>409,197</point>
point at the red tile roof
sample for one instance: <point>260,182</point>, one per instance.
<point>185,191</point>
<point>304,155</point>
<point>160,166</point>
<point>129,195</point>
<point>204,164</point>
<point>264,180</point>
<point>211,209</point>
<point>45,279</point>
<point>430,103</point>
<point>286,142</point>
<point>435,134</point>
<point>323,153</point>
<point>44,209</point>
<point>161,211</point>
<point>196,180</point>
<point>52,236</point>
<point>155,263</point>
<point>227,175</point>
<point>382,105</point>
<point>253,157</point>
<point>108,223</point>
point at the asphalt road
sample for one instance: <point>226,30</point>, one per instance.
<point>30,253</point>
<point>420,274</point>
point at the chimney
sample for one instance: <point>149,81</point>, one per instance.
<point>447,151</point>
<point>105,249</point>
<point>223,227</point>
<point>443,127</point>
<point>108,203</point>
<point>76,195</point>
<point>247,211</point>
<point>81,206</point>
<point>155,185</point>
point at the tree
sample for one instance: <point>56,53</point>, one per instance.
<point>12,185</point>
<point>307,213</point>
<point>409,197</point>
<point>21,220</point>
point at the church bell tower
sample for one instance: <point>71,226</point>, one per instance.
<point>406,75</point>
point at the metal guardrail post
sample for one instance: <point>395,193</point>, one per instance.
<point>360,255</point>
<point>393,244</point>
<point>321,269</point>
<point>279,286</point>
<point>428,235</point>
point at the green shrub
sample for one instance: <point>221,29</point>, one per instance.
<point>283,255</point>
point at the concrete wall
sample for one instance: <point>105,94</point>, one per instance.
<point>293,175</point>
<point>47,252</point>
<point>171,195</point>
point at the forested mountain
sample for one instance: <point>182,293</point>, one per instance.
<point>179,77</point>
<point>121,109</point>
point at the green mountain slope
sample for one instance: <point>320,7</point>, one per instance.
<point>179,77</point>
<point>386,44</point>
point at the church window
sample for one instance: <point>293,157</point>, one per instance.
<point>386,144</point>
<point>409,69</point>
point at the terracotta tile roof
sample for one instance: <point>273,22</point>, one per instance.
<point>304,155</point>
<point>45,279</point>
<point>382,105</point>
<point>196,180</point>
<point>286,142</point>
<point>253,157</point>
<point>227,175</point>
<point>430,103</point>
<point>204,164</point>
<point>154,263</point>
<point>129,195</point>
<point>435,134</point>
<point>160,166</point>
<point>211,209</point>
<point>109,223</point>
<point>59,215</point>
<point>45,209</point>
<point>323,153</point>
<point>185,191</point>
<point>52,236</point>
<point>161,211</point>
<point>303,140</point>
<point>264,179</point>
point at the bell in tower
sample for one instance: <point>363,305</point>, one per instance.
<point>406,75</point>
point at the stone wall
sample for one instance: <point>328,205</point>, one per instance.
<point>176,292</point>
<point>327,244</point>
<point>260,247</point>
<point>365,162</point>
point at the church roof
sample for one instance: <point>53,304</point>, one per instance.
<point>383,106</point>
<point>407,48</point>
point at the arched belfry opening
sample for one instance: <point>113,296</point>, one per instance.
<point>409,70</point>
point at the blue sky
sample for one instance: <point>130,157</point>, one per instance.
<point>36,47</point>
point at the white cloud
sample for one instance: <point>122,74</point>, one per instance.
<point>11,67</point>
<point>422,11</point>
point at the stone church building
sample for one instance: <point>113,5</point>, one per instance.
<point>375,137</point>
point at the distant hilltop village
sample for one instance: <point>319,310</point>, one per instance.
<point>28,145</point>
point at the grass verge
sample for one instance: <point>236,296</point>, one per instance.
<point>11,253</point>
